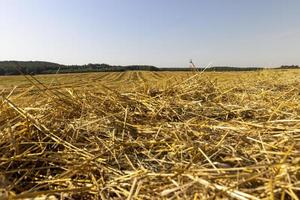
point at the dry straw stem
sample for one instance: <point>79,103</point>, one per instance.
<point>199,136</point>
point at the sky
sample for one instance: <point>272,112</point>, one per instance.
<point>164,33</point>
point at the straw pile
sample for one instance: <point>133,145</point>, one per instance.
<point>197,139</point>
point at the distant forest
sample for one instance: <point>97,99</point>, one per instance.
<point>39,67</point>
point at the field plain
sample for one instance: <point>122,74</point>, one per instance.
<point>151,135</point>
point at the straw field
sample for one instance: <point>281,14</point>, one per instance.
<point>151,135</point>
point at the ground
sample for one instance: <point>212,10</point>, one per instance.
<point>151,135</point>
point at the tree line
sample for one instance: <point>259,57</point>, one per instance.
<point>40,67</point>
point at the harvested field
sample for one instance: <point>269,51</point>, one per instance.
<point>151,135</point>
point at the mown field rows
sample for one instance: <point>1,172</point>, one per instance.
<point>151,135</point>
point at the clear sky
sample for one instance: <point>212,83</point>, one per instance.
<point>165,33</point>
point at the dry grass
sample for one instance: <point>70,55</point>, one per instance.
<point>208,136</point>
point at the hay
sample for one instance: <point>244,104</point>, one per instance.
<point>193,139</point>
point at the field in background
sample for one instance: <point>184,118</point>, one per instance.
<point>132,79</point>
<point>145,135</point>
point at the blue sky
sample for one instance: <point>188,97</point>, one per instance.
<point>165,33</point>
